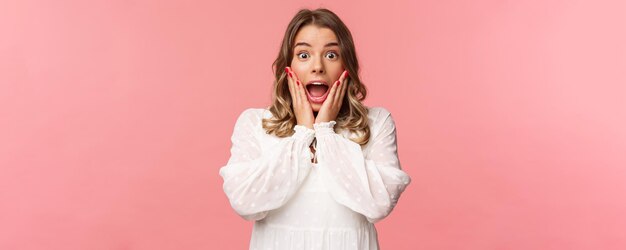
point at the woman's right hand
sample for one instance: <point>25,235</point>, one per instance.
<point>300,103</point>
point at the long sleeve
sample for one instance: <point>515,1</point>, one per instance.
<point>257,181</point>
<point>368,183</point>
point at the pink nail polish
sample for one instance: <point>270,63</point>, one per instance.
<point>289,73</point>
<point>338,83</point>
<point>298,82</point>
<point>286,70</point>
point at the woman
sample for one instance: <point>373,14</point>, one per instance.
<point>317,168</point>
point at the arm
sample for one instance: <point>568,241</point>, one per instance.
<point>370,185</point>
<point>257,181</point>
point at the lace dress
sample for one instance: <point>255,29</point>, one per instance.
<point>297,204</point>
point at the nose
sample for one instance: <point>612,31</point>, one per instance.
<point>318,66</point>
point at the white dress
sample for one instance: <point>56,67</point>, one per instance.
<point>296,204</point>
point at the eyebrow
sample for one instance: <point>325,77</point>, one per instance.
<point>306,44</point>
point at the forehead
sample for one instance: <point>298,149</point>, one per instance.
<point>314,35</point>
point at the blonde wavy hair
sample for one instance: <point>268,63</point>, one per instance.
<point>353,114</point>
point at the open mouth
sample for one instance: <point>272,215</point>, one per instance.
<point>317,93</point>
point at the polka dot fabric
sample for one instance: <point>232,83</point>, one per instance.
<point>296,204</point>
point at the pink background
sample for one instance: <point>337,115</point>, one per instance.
<point>115,117</point>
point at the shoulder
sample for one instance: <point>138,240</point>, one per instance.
<point>379,116</point>
<point>251,115</point>
<point>378,112</point>
<point>381,123</point>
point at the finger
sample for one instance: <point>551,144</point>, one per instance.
<point>336,96</point>
<point>294,76</point>
<point>297,85</point>
<point>330,100</point>
<point>344,88</point>
<point>302,93</point>
<point>292,88</point>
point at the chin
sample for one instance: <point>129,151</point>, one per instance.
<point>315,107</point>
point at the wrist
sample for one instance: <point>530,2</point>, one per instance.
<point>310,126</point>
<point>324,128</point>
<point>304,133</point>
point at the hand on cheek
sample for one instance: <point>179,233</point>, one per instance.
<point>331,106</point>
<point>300,103</point>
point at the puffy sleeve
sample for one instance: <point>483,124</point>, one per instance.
<point>369,184</point>
<point>257,181</point>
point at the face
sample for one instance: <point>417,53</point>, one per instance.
<point>316,59</point>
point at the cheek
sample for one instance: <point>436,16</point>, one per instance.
<point>296,66</point>
<point>295,63</point>
<point>341,69</point>
<point>338,71</point>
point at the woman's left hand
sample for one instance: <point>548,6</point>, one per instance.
<point>331,106</point>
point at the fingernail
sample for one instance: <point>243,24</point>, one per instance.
<point>289,73</point>
<point>338,83</point>
<point>298,83</point>
<point>286,70</point>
